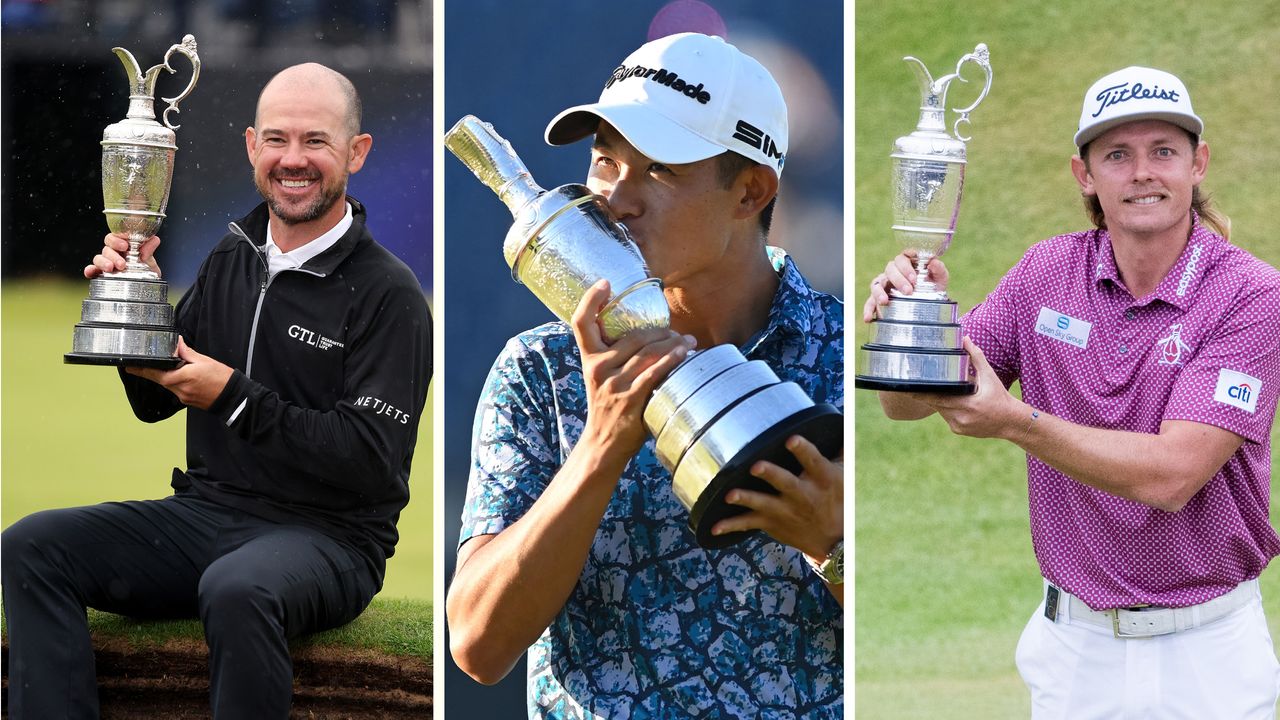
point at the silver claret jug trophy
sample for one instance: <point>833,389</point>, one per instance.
<point>127,319</point>
<point>717,413</point>
<point>915,344</point>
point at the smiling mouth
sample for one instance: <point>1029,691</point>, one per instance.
<point>1144,199</point>
<point>294,181</point>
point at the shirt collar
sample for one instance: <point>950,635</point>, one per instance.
<point>790,313</point>
<point>278,260</point>
<point>1179,286</point>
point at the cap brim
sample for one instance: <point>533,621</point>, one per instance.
<point>653,134</point>
<point>1189,123</point>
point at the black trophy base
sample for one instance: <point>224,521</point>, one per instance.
<point>938,387</point>
<point>822,425</point>
<point>163,363</point>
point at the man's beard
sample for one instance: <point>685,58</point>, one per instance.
<point>329,195</point>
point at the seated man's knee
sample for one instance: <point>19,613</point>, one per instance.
<point>32,539</point>
<point>228,591</point>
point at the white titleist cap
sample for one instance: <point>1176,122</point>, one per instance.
<point>684,98</point>
<point>1135,93</point>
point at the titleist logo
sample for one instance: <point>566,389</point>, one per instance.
<point>1125,92</point>
<point>662,76</point>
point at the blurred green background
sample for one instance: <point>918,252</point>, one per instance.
<point>68,437</point>
<point>945,574</point>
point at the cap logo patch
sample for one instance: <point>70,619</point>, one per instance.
<point>662,76</point>
<point>1123,92</point>
<point>756,138</point>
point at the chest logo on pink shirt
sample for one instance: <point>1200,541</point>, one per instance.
<point>1072,331</point>
<point>1171,346</point>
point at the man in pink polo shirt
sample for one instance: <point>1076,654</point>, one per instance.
<point>1148,351</point>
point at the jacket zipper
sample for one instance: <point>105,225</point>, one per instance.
<point>262,295</point>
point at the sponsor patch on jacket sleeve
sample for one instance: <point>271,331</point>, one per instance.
<point>1238,390</point>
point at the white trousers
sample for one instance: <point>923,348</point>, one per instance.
<point>1225,670</point>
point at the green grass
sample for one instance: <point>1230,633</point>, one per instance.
<point>394,626</point>
<point>69,438</point>
<point>945,574</point>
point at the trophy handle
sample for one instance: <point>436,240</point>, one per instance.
<point>188,47</point>
<point>982,57</point>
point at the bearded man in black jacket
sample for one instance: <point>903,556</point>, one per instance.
<point>307,355</point>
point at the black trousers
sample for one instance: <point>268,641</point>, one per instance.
<point>253,583</point>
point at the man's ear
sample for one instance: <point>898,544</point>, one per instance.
<point>250,142</point>
<point>1081,173</point>
<point>360,145</point>
<point>1200,162</point>
<point>756,187</point>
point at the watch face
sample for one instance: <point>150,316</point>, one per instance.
<point>831,569</point>
<point>835,565</point>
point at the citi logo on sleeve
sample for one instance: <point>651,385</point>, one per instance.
<point>662,76</point>
<point>1237,390</point>
<point>1125,92</point>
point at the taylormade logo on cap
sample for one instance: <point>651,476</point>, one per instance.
<point>1135,93</point>
<point>662,76</point>
<point>685,98</point>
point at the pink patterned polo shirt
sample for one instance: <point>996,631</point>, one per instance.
<point>1205,347</point>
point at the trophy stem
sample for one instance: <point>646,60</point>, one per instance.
<point>518,190</point>
<point>923,283</point>
<point>134,266</point>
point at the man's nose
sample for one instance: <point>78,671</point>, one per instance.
<point>1142,166</point>
<point>624,196</point>
<point>294,156</point>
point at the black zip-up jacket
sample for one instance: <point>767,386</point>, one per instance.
<point>331,365</point>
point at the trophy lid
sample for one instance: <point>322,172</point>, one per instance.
<point>930,140</point>
<point>493,161</point>
<point>142,85</point>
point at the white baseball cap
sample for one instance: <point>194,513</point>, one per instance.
<point>684,98</point>
<point>1135,93</point>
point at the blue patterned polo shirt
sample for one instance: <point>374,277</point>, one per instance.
<point>658,627</point>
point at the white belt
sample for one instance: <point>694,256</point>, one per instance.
<point>1150,620</point>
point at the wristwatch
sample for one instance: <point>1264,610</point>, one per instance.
<point>830,570</point>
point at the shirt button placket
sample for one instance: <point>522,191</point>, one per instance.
<point>1129,314</point>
